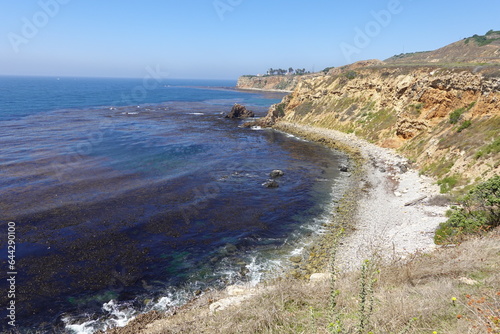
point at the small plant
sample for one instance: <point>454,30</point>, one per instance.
<point>313,320</point>
<point>478,154</point>
<point>464,125</point>
<point>486,312</point>
<point>447,183</point>
<point>351,75</point>
<point>416,108</point>
<point>494,148</point>
<point>280,109</point>
<point>455,115</point>
<point>336,325</point>
<point>408,326</point>
<point>366,295</point>
<point>326,70</point>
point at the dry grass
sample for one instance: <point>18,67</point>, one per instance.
<point>452,290</point>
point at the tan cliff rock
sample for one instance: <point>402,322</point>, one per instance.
<point>409,108</point>
<point>281,83</point>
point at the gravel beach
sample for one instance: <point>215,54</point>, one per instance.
<point>394,216</point>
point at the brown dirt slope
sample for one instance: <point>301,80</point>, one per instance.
<point>476,49</point>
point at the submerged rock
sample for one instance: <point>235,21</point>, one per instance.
<point>239,111</point>
<point>270,184</point>
<point>344,168</point>
<point>276,173</point>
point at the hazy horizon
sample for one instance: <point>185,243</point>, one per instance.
<point>222,39</point>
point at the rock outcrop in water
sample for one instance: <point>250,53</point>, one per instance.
<point>276,173</point>
<point>239,111</point>
<point>270,184</point>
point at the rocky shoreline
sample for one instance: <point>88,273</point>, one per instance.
<point>389,212</point>
<point>386,211</point>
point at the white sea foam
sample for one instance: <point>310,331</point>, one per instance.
<point>88,327</point>
<point>120,315</point>
<point>289,135</point>
<point>196,113</point>
<point>115,315</point>
<point>259,266</point>
<point>297,251</point>
<point>164,303</point>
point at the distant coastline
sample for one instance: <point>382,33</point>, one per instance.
<point>264,90</point>
<point>277,83</point>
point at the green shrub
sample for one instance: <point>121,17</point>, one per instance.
<point>479,211</point>
<point>491,32</point>
<point>448,183</point>
<point>464,126</point>
<point>483,40</point>
<point>351,75</point>
<point>327,69</point>
<point>455,115</point>
<point>280,109</point>
<point>494,148</point>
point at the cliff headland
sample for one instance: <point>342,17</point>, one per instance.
<point>279,83</point>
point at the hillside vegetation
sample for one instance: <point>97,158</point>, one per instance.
<point>444,119</point>
<point>473,50</point>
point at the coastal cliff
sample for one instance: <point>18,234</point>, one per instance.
<point>444,119</point>
<point>282,83</point>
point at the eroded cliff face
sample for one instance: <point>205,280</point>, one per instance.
<point>283,83</point>
<point>446,120</point>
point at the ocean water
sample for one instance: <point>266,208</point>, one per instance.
<point>131,195</point>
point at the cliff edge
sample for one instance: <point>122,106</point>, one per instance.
<point>280,83</point>
<point>446,119</point>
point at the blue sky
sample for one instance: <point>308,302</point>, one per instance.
<point>222,39</point>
